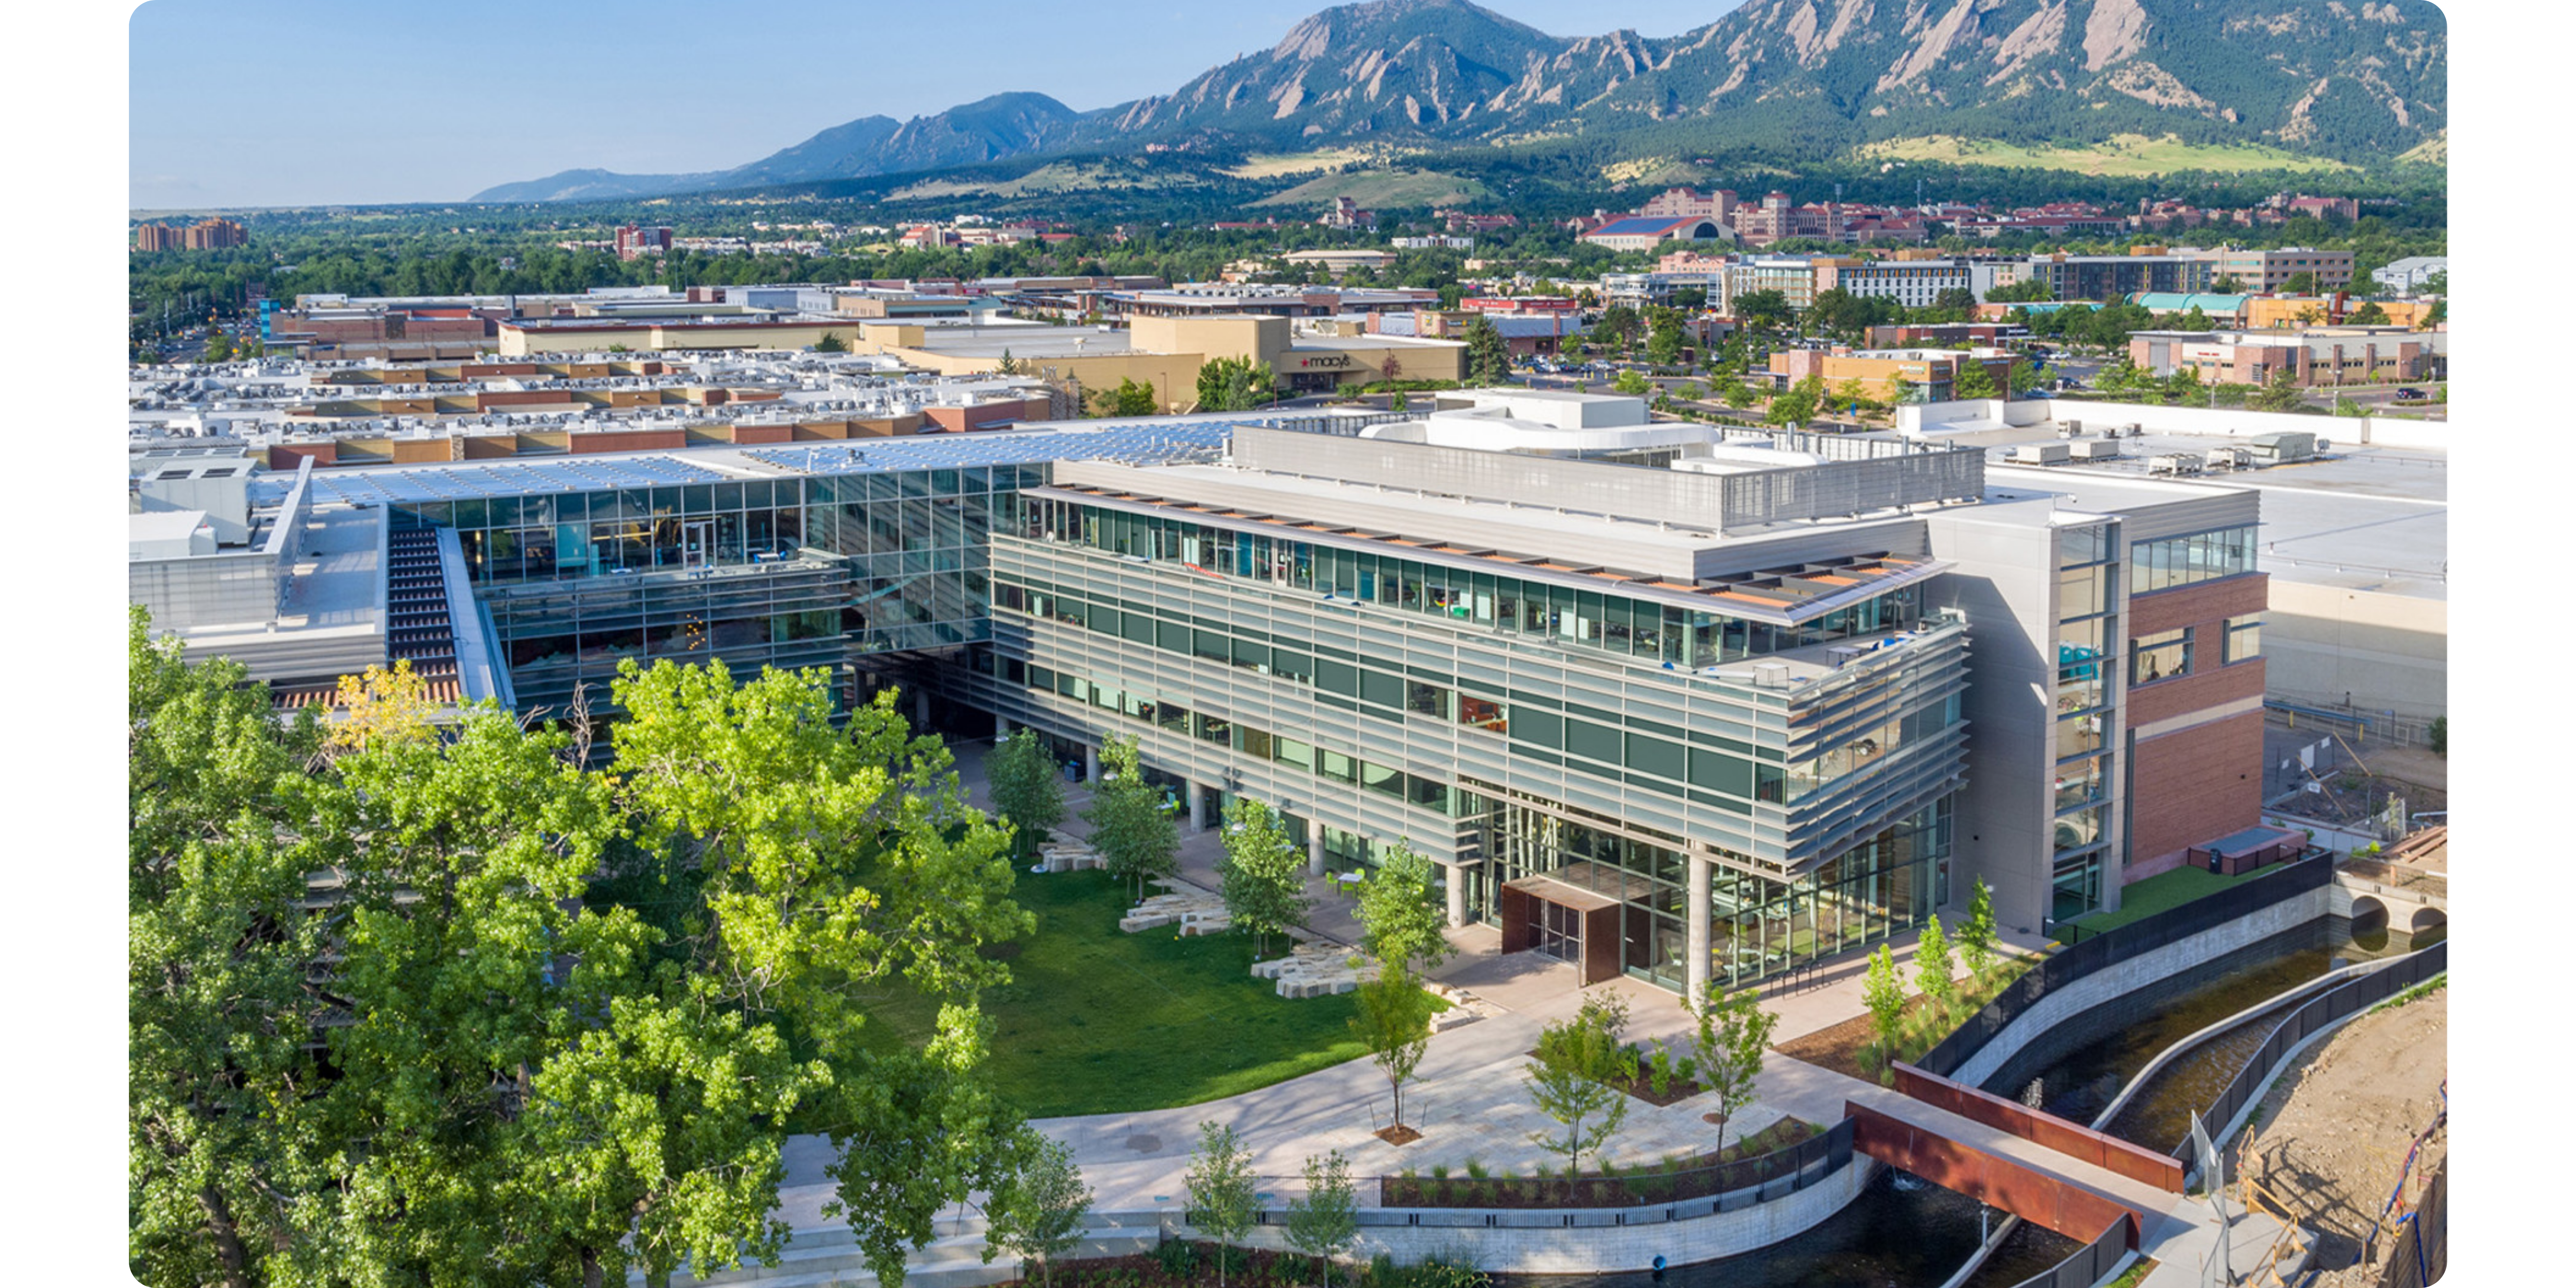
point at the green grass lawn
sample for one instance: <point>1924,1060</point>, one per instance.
<point>1096,1021</point>
<point>2156,894</point>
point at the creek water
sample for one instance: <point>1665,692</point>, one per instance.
<point>1912,1236</point>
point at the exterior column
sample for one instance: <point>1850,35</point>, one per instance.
<point>1314,849</point>
<point>1090,766</point>
<point>1457,880</point>
<point>1699,930</point>
<point>1198,805</point>
<point>920,710</point>
<point>1001,727</point>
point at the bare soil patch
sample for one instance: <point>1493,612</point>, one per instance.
<point>2333,1131</point>
<point>1398,1134</point>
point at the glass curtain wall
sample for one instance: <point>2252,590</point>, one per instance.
<point>1617,624</point>
<point>2087,690</point>
<point>1759,927</point>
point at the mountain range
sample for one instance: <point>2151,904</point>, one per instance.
<point>1782,80</point>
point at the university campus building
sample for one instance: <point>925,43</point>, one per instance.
<point>1657,703</point>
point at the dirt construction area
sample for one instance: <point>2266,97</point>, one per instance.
<point>2334,1128</point>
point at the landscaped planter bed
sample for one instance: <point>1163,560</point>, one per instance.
<point>1765,1156</point>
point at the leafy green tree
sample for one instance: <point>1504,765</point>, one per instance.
<point>1026,789</point>
<point>1933,964</point>
<point>1397,402</point>
<point>2027,291</point>
<point>227,1165</point>
<point>1401,916</point>
<point>1690,391</point>
<point>2369,314</point>
<point>2300,284</point>
<point>1134,832</point>
<point>1393,1021</point>
<point>1734,392</point>
<point>1630,382</point>
<point>1010,366</point>
<point>2184,386</point>
<point>2280,393</point>
<point>1234,384</point>
<point>219,347</point>
<point>1973,380</point>
<point>1325,1219</point>
<point>1732,1032</point>
<point>831,342</point>
<point>1884,994</point>
<point>1664,343</point>
<point>1041,1211</point>
<point>824,861</point>
<point>1570,1076</point>
<point>2028,378</point>
<point>1220,1189</point>
<point>1762,308</point>
<point>1797,405</point>
<point>1619,325</point>
<point>1489,356</point>
<point>1262,874</point>
<point>2438,737</point>
<point>1977,934</point>
<point>1955,302</point>
<point>1128,399</point>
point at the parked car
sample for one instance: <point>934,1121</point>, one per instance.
<point>2410,393</point>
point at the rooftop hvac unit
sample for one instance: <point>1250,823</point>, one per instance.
<point>2074,427</point>
<point>2096,449</point>
<point>1771,675</point>
<point>2134,429</point>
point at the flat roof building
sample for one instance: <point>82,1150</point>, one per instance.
<point>1689,724</point>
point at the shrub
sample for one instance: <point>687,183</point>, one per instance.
<point>1178,1258</point>
<point>1476,1168</point>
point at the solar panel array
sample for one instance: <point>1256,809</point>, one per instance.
<point>966,451</point>
<point>514,478</point>
<point>1131,442</point>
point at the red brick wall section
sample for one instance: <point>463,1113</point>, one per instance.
<point>633,440</point>
<point>2208,601</point>
<point>2194,785</point>
<point>2208,687</point>
<point>763,433</point>
<point>283,456</point>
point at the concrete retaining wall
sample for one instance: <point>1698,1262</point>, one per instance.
<point>2145,970</point>
<point>1597,1248</point>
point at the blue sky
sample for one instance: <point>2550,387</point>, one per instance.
<point>290,102</point>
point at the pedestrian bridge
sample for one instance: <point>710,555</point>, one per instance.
<point>2412,901</point>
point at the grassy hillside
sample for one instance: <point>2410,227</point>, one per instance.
<point>2124,155</point>
<point>1382,188</point>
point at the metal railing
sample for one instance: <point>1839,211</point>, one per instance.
<point>2090,1262</point>
<point>2318,1013</point>
<point>1649,1199</point>
<point>2147,934</point>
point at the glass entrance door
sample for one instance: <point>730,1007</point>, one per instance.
<point>697,545</point>
<point>1558,932</point>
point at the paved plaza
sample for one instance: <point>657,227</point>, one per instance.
<point>1471,1104</point>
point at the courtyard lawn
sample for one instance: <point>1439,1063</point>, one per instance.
<point>2165,890</point>
<point>1097,1021</point>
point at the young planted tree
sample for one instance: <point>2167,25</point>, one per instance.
<point>1884,994</point>
<point>1326,1218</point>
<point>1401,915</point>
<point>1795,406</point>
<point>1038,1213</point>
<point>1220,1190</point>
<point>1733,1032</point>
<point>1262,874</point>
<point>1977,935</point>
<point>1026,789</point>
<point>1630,382</point>
<point>1932,966</point>
<point>1570,1080</point>
<point>1137,838</point>
<point>1394,1023</point>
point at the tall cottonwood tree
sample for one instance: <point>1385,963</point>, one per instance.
<point>463,1059</point>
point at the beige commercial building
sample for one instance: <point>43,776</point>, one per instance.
<point>1167,353</point>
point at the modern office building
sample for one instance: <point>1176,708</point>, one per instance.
<point>2116,277</point>
<point>1657,702</point>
